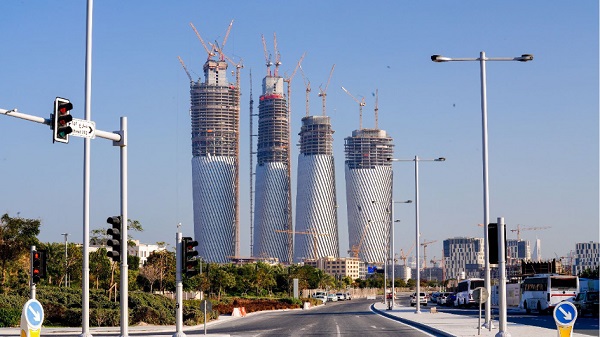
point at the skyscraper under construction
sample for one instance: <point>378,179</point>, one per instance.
<point>316,205</point>
<point>272,215</point>
<point>368,192</point>
<point>215,108</point>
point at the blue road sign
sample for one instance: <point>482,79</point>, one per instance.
<point>565,313</point>
<point>34,313</point>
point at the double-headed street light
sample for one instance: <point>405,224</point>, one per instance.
<point>417,225</point>
<point>482,60</point>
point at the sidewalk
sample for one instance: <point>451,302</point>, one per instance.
<point>458,325</point>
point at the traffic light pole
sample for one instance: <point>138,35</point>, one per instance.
<point>179,286</point>
<point>124,221</point>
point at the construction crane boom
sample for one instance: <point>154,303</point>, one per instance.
<point>355,250</point>
<point>519,229</point>
<point>307,86</point>
<point>185,69</point>
<point>376,108</point>
<point>323,93</point>
<point>227,35</point>
<point>314,234</point>
<point>209,52</point>
<point>360,107</point>
<point>267,56</point>
<point>277,55</point>
<point>425,244</point>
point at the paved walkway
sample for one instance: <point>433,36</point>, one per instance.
<point>459,325</point>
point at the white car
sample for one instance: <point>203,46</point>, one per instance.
<point>422,299</point>
<point>332,298</point>
<point>321,297</point>
<point>341,296</point>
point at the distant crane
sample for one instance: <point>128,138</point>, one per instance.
<point>210,52</point>
<point>314,235</point>
<point>267,56</point>
<point>376,108</point>
<point>434,262</point>
<point>360,107</point>
<point>307,85</point>
<point>519,229</point>
<point>355,250</point>
<point>425,244</point>
<point>185,69</point>
<point>277,56</point>
<point>403,256</point>
<point>323,92</point>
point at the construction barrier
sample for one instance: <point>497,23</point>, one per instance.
<point>236,312</point>
<point>243,311</point>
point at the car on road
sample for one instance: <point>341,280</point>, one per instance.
<point>450,300</point>
<point>586,302</point>
<point>341,296</point>
<point>441,300</point>
<point>348,296</point>
<point>332,298</point>
<point>422,299</point>
<point>323,298</point>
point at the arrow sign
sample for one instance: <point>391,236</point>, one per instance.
<point>565,313</point>
<point>83,128</point>
<point>33,313</point>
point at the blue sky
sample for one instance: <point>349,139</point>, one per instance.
<point>543,115</point>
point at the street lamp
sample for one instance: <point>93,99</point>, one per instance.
<point>486,216</point>
<point>417,225</point>
<point>393,250</point>
<point>66,235</point>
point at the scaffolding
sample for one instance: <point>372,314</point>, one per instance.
<point>316,136</point>
<point>368,148</point>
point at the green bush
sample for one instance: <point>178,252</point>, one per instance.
<point>10,317</point>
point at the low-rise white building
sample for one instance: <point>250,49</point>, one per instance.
<point>143,250</point>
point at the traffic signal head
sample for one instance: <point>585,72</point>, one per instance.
<point>38,265</point>
<point>61,119</point>
<point>116,240</point>
<point>189,262</point>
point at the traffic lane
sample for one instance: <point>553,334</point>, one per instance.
<point>348,318</point>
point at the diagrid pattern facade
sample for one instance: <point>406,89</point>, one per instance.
<point>272,212</point>
<point>215,166</point>
<point>316,205</point>
<point>368,193</point>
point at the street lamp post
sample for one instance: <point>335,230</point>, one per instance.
<point>417,225</point>
<point>486,216</point>
<point>393,250</point>
<point>66,235</point>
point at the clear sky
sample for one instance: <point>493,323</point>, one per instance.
<point>543,115</point>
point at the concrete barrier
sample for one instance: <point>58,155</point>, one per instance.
<point>236,312</point>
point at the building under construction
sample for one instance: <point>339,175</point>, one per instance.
<point>316,206</point>
<point>272,212</point>
<point>215,108</point>
<point>369,175</point>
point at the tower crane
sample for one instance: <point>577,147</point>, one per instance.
<point>376,108</point>
<point>519,229</point>
<point>210,52</point>
<point>425,244</point>
<point>225,41</point>
<point>185,69</point>
<point>403,256</point>
<point>435,261</point>
<point>277,56</point>
<point>307,85</point>
<point>267,56</point>
<point>356,248</point>
<point>323,93</point>
<point>314,235</point>
<point>360,106</point>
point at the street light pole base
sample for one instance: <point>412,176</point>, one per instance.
<point>503,334</point>
<point>490,326</point>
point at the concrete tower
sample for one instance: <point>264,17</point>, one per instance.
<point>368,192</point>
<point>272,212</point>
<point>215,166</point>
<point>316,205</point>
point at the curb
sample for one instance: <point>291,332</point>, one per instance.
<point>420,326</point>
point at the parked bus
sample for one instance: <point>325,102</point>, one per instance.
<point>464,292</point>
<point>544,291</point>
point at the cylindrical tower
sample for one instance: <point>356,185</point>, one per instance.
<point>272,233</point>
<point>316,204</point>
<point>215,166</point>
<point>369,192</point>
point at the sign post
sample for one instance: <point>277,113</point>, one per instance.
<point>32,317</point>
<point>565,314</point>
<point>480,295</point>
<point>205,306</point>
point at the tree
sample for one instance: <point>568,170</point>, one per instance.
<point>152,273</point>
<point>17,235</point>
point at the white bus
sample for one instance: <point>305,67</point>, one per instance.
<point>464,292</point>
<point>544,291</point>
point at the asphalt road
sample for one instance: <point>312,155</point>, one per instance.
<point>346,318</point>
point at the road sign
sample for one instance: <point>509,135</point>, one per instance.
<point>32,318</point>
<point>565,314</point>
<point>205,306</point>
<point>83,128</point>
<point>480,295</point>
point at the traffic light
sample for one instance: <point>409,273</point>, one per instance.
<point>116,238</point>
<point>38,265</point>
<point>61,119</point>
<point>189,263</point>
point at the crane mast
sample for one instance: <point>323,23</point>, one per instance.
<point>360,107</point>
<point>323,92</point>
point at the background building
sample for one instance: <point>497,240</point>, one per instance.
<point>463,254</point>
<point>273,211</point>
<point>340,267</point>
<point>517,250</point>
<point>316,205</point>
<point>215,165</point>
<point>587,255</point>
<point>369,177</point>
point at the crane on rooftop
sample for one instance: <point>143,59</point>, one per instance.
<point>277,56</point>
<point>267,56</point>
<point>323,92</point>
<point>376,108</point>
<point>210,52</point>
<point>360,107</point>
<point>519,229</point>
<point>307,85</point>
<point>185,69</point>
